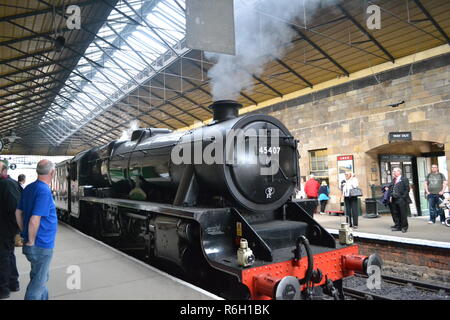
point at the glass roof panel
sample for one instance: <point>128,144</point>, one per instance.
<point>113,73</point>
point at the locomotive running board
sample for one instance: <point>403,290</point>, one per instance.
<point>182,212</point>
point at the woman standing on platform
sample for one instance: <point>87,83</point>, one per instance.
<point>324,192</point>
<point>351,202</point>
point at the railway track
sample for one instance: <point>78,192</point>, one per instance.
<point>395,288</point>
<point>360,294</point>
<point>418,284</point>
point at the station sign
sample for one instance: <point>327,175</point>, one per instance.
<point>395,158</point>
<point>342,158</point>
<point>400,136</point>
<point>344,164</point>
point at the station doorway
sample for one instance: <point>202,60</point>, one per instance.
<point>408,164</point>
<point>415,159</point>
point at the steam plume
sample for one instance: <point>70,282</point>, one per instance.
<point>262,31</point>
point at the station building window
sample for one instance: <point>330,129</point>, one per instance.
<point>318,163</point>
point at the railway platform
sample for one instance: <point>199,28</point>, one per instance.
<point>104,273</point>
<point>419,231</point>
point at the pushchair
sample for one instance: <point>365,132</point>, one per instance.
<point>445,205</point>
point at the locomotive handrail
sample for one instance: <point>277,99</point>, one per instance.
<point>297,255</point>
<point>123,154</point>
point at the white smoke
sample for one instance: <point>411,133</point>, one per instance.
<point>126,134</point>
<point>262,33</point>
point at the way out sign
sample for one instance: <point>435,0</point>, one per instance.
<point>400,136</point>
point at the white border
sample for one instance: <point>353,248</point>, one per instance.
<point>412,241</point>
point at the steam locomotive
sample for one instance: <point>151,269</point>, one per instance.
<point>223,224</point>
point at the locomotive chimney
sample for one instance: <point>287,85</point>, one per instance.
<point>225,110</point>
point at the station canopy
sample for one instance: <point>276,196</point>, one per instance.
<point>64,90</point>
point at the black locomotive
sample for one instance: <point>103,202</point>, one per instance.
<point>220,222</point>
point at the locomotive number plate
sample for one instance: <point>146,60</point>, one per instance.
<point>269,150</point>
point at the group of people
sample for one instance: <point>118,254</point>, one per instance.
<point>395,195</point>
<point>31,212</point>
<point>321,193</point>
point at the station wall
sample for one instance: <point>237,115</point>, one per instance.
<point>355,119</point>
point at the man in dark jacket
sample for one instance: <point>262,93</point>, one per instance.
<point>399,200</point>
<point>9,197</point>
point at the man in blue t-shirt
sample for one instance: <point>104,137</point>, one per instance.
<point>37,220</point>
